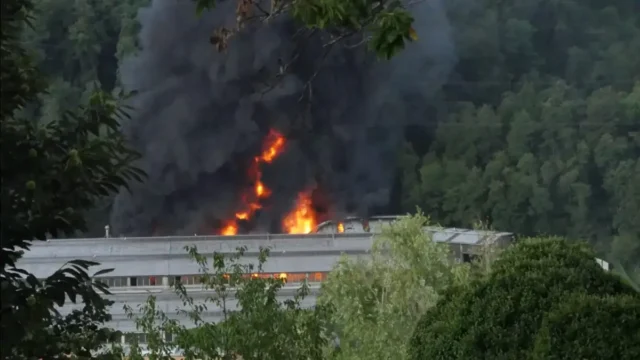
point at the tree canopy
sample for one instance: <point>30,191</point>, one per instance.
<point>540,129</point>
<point>590,326</point>
<point>386,26</point>
<point>374,302</point>
<point>52,174</point>
<point>515,311</point>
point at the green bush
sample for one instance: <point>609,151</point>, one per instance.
<point>591,327</point>
<point>498,317</point>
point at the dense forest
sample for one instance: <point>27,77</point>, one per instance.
<point>536,131</point>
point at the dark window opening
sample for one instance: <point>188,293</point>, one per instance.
<point>168,337</point>
<point>132,338</point>
<point>365,225</point>
<point>174,280</point>
<point>133,281</point>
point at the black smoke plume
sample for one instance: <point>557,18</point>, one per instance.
<point>200,116</point>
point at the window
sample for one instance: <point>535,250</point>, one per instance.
<point>114,282</point>
<point>291,278</point>
<point>186,280</point>
<point>145,281</point>
<point>467,258</point>
<point>296,277</point>
<point>139,338</point>
<point>317,277</point>
<point>190,279</point>
<point>365,225</point>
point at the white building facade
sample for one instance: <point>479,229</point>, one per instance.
<point>148,266</point>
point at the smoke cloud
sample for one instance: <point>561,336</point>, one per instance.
<point>200,116</point>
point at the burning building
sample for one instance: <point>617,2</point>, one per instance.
<point>233,145</point>
<point>302,219</point>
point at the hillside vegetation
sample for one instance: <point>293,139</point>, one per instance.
<point>537,130</point>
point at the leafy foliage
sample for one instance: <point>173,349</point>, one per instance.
<point>542,125</point>
<point>33,328</point>
<point>545,161</point>
<point>384,25</point>
<point>51,174</point>
<point>255,324</point>
<point>498,317</point>
<point>374,302</point>
<point>591,327</point>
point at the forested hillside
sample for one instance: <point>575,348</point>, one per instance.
<point>543,130</point>
<point>78,45</point>
<point>537,130</point>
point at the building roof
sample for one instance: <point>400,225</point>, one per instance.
<point>465,236</point>
<point>439,234</point>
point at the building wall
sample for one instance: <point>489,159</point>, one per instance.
<point>147,266</point>
<point>169,303</point>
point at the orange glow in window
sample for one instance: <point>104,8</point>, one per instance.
<point>317,277</point>
<point>295,277</point>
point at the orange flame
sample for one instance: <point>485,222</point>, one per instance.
<point>231,228</point>
<point>302,219</point>
<point>340,227</point>
<point>272,147</point>
<point>261,190</point>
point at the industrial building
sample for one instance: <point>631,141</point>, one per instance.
<point>146,266</point>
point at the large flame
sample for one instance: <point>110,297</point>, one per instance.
<point>272,147</point>
<point>230,228</point>
<point>302,219</point>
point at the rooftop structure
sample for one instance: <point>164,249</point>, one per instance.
<point>146,266</point>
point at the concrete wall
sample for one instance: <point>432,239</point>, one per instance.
<point>168,302</point>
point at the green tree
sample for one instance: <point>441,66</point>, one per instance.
<point>51,174</point>
<point>374,302</point>
<point>255,324</point>
<point>77,45</point>
<point>501,316</point>
<point>556,163</point>
<point>591,327</point>
<point>500,43</point>
<point>384,25</point>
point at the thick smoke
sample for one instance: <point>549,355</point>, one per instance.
<point>200,115</point>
